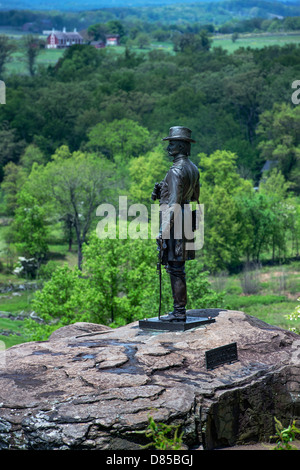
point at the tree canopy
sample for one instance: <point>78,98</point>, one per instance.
<point>88,130</point>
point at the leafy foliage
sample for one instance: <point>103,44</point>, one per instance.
<point>144,171</point>
<point>163,436</point>
<point>285,436</point>
<point>28,229</point>
<point>75,183</point>
<point>294,317</point>
<point>59,303</point>
<point>221,186</point>
<point>119,140</point>
<point>280,131</point>
<point>6,50</point>
<point>32,46</point>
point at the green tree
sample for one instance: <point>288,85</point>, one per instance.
<point>275,184</point>
<point>119,139</point>
<point>192,43</point>
<point>279,130</point>
<point>268,218</point>
<point>18,119</point>
<point>220,186</point>
<point>161,35</point>
<point>73,184</point>
<point>28,230</point>
<point>142,40</point>
<point>11,146</point>
<point>220,170</point>
<point>59,303</point>
<point>243,91</point>
<point>258,221</point>
<point>200,292</point>
<point>277,189</point>
<point>144,171</point>
<point>115,27</point>
<point>14,178</point>
<point>58,109</point>
<point>6,50</point>
<point>31,155</point>
<point>234,37</point>
<point>125,270</point>
<point>115,287</point>
<point>295,224</point>
<point>98,31</point>
<point>32,45</point>
<point>78,62</point>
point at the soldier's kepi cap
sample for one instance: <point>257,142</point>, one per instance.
<point>179,133</point>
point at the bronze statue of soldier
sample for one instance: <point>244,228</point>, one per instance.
<point>179,187</point>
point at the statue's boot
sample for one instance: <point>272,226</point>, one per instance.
<point>173,317</point>
<point>178,284</point>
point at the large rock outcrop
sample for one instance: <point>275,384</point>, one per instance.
<point>92,387</point>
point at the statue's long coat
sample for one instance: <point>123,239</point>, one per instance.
<point>179,187</point>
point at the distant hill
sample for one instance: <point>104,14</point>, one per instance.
<point>81,14</point>
<point>276,7</point>
<point>72,5</point>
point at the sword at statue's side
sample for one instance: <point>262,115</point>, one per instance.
<point>161,246</point>
<point>159,273</point>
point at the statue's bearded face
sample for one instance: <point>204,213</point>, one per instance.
<point>174,148</point>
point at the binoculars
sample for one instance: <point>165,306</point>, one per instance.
<point>156,192</point>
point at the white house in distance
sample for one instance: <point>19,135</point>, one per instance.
<point>62,39</point>
<point>112,40</point>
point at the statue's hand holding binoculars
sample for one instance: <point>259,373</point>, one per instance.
<point>156,192</point>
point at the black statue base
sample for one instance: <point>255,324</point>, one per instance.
<point>194,319</point>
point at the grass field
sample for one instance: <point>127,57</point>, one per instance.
<point>51,56</point>
<point>275,291</point>
<point>255,41</point>
<point>12,32</point>
<point>46,57</point>
<point>12,305</point>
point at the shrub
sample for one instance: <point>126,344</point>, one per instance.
<point>285,436</point>
<point>163,436</point>
<point>295,316</point>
